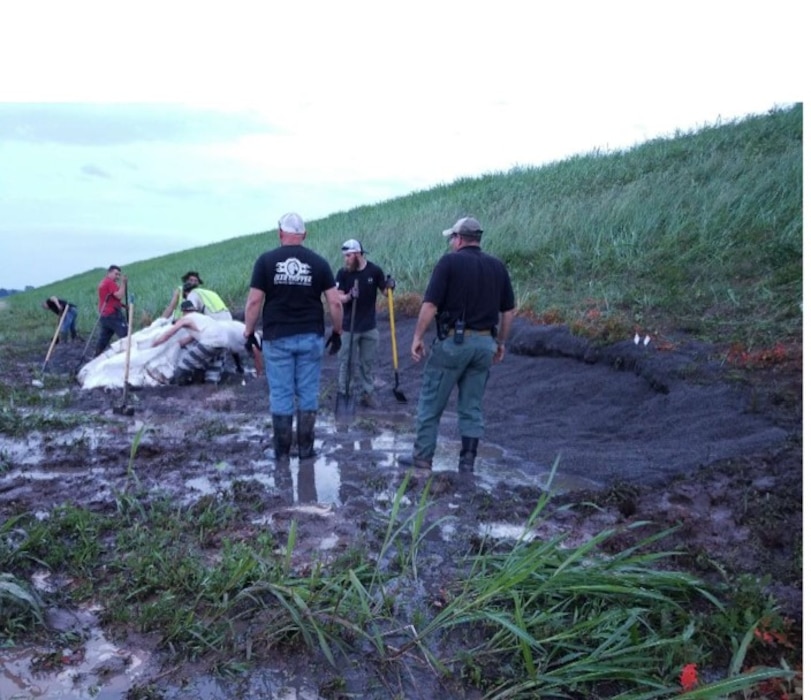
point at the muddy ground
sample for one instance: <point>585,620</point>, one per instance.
<point>670,432</point>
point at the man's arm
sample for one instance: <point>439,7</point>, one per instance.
<point>336,309</point>
<point>253,307</point>
<point>167,312</point>
<point>184,322</point>
<point>503,333</point>
<point>427,314</point>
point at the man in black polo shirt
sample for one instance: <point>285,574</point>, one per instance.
<point>471,297</point>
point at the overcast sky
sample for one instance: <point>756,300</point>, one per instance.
<point>130,130</point>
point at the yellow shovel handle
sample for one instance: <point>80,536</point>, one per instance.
<point>391,323</point>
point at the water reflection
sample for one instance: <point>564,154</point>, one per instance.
<point>99,669</point>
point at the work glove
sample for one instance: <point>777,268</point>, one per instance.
<point>333,343</point>
<point>251,343</point>
<point>354,293</point>
<point>390,284</point>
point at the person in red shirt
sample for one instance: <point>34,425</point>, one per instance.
<point>112,320</point>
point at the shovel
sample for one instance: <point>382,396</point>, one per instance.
<point>83,358</point>
<point>344,403</point>
<point>398,394</point>
<point>124,409</point>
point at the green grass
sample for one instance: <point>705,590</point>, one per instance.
<point>520,620</point>
<point>701,230</point>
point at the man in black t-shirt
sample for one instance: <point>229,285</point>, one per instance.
<point>471,297</point>
<point>68,327</point>
<point>363,278</point>
<point>286,287</point>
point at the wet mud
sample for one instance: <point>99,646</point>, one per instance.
<point>665,433</point>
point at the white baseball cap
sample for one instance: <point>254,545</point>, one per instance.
<point>352,246</point>
<point>292,223</point>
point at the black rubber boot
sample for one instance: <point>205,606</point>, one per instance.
<point>305,426</point>
<point>467,455</point>
<point>415,461</point>
<point>282,435</point>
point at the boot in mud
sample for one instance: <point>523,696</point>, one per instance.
<point>467,455</point>
<point>305,427</point>
<point>282,435</point>
<point>415,461</point>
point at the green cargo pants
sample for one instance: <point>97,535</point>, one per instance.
<point>364,361</point>
<point>466,366</point>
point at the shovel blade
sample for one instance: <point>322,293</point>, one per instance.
<point>344,406</point>
<point>398,394</point>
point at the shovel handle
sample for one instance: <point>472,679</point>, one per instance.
<point>351,338</point>
<point>130,307</point>
<point>56,335</point>
<point>391,324</point>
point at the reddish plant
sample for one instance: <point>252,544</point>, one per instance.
<point>766,357</point>
<point>688,677</point>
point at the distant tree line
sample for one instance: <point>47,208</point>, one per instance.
<point>8,292</point>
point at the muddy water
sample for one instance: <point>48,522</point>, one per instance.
<point>77,460</point>
<point>337,446</point>
<point>100,670</point>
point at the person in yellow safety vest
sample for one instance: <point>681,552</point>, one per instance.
<point>205,301</point>
<point>173,309</point>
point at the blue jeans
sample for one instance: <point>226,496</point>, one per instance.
<point>68,327</point>
<point>465,366</point>
<point>293,372</point>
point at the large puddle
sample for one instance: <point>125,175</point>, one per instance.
<point>319,482</point>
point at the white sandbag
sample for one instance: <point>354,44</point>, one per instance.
<point>150,366</point>
<point>108,369</point>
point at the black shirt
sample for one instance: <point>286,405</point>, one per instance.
<point>471,285</point>
<point>58,309</point>
<point>293,279</point>
<point>370,279</point>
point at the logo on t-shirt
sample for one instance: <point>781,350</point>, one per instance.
<point>294,272</point>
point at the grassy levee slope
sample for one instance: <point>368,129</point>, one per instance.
<point>703,229</point>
